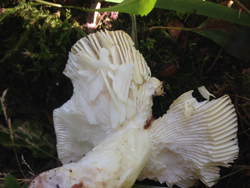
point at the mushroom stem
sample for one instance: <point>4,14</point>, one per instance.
<point>116,162</point>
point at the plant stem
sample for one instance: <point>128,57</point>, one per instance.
<point>48,3</point>
<point>134,30</point>
<point>63,6</point>
<point>177,28</point>
<point>242,6</point>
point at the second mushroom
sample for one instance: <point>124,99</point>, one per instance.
<point>107,137</point>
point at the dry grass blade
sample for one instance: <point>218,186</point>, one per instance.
<point>24,162</point>
<point>8,121</point>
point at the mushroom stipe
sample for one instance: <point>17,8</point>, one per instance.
<point>106,136</point>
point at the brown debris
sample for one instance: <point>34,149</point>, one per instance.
<point>168,70</point>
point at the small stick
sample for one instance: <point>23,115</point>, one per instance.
<point>242,6</point>
<point>216,59</point>
<point>246,112</point>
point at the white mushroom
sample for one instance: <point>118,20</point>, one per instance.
<point>106,136</point>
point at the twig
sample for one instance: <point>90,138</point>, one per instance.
<point>238,112</point>
<point>236,162</point>
<point>49,3</point>
<point>100,19</point>
<point>246,112</point>
<point>157,55</point>
<point>243,97</point>
<point>242,6</point>
<point>191,25</point>
<point>216,59</point>
<point>244,131</point>
<point>240,116</point>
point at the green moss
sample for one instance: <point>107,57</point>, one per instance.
<point>36,42</point>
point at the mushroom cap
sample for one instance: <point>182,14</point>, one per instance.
<point>191,140</point>
<point>112,84</point>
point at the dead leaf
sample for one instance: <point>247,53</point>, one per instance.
<point>168,70</point>
<point>174,33</point>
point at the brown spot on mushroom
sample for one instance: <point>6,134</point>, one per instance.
<point>57,186</point>
<point>104,184</point>
<point>79,185</point>
<point>70,171</point>
<point>148,123</point>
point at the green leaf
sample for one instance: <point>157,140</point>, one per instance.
<point>231,37</point>
<point>11,182</point>
<point>205,8</point>
<point>114,1</point>
<point>234,39</point>
<point>202,7</point>
<point>25,185</point>
<point>139,7</point>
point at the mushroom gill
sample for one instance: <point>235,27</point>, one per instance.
<point>107,137</point>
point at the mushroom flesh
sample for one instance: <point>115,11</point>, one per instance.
<point>107,137</point>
